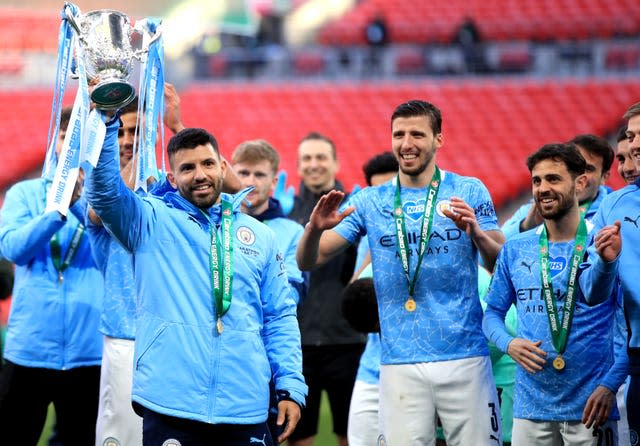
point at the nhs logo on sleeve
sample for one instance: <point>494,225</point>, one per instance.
<point>413,209</point>
<point>557,265</point>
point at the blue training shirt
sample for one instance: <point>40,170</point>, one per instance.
<point>550,395</point>
<point>446,324</point>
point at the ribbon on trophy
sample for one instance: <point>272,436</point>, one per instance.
<point>75,147</point>
<point>152,94</point>
<point>105,45</point>
<point>66,39</point>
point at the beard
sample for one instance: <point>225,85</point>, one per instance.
<point>205,202</point>
<point>562,208</point>
<point>420,168</point>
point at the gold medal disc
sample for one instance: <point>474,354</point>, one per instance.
<point>410,305</point>
<point>558,363</point>
<point>219,326</point>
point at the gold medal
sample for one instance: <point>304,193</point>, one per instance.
<point>558,363</point>
<point>410,305</point>
<point>219,326</point>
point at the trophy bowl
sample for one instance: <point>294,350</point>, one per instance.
<point>109,44</point>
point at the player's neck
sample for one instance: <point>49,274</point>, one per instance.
<point>420,180</point>
<point>253,211</point>
<point>563,229</point>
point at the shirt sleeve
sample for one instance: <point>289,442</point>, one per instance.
<point>23,234</point>
<point>281,334</point>
<point>618,372</point>
<point>511,227</point>
<point>480,201</point>
<point>353,227</point>
<point>499,298</point>
<point>129,218</point>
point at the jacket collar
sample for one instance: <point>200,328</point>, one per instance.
<point>273,211</point>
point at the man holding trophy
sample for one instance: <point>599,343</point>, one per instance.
<point>207,340</point>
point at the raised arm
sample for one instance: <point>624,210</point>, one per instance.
<point>318,245</point>
<point>123,213</point>
<point>598,274</point>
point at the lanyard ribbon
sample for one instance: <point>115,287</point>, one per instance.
<point>402,243</point>
<point>584,208</point>
<point>560,329</point>
<point>54,245</point>
<point>221,271</point>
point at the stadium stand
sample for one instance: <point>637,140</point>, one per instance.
<point>437,22</point>
<point>490,125</point>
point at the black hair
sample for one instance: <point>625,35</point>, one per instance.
<point>417,107</point>
<point>382,163</point>
<point>131,107</point>
<point>597,146</point>
<point>568,153</point>
<point>190,138</point>
<point>621,135</point>
<point>359,306</point>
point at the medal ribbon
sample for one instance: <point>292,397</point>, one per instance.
<point>584,208</point>
<point>54,245</point>
<point>402,243</point>
<point>221,271</point>
<point>560,329</point>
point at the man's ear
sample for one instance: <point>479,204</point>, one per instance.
<point>605,177</point>
<point>581,183</point>
<point>172,180</point>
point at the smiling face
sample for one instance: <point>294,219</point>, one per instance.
<point>554,189</point>
<point>633,136</point>
<point>198,174</point>
<point>317,165</point>
<point>626,166</point>
<point>261,176</point>
<point>414,144</point>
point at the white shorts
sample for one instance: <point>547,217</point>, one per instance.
<point>362,429</point>
<point>624,437</point>
<point>461,392</point>
<point>559,433</point>
<point>117,424</point>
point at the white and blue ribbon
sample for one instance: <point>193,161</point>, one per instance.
<point>66,40</point>
<point>152,93</point>
<point>74,148</point>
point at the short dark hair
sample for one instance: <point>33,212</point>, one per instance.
<point>596,146</point>
<point>190,138</point>
<point>567,153</point>
<point>417,107</point>
<point>359,306</point>
<point>382,163</point>
<point>317,136</point>
<point>65,117</point>
<point>131,107</point>
<point>621,135</point>
<point>255,151</point>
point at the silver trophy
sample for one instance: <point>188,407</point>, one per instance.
<point>110,45</point>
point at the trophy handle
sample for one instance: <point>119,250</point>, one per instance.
<point>141,27</point>
<point>70,18</point>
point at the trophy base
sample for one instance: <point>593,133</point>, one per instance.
<point>112,95</point>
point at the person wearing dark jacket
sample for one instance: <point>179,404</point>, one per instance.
<point>331,348</point>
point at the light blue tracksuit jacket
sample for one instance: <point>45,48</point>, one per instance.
<point>183,367</point>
